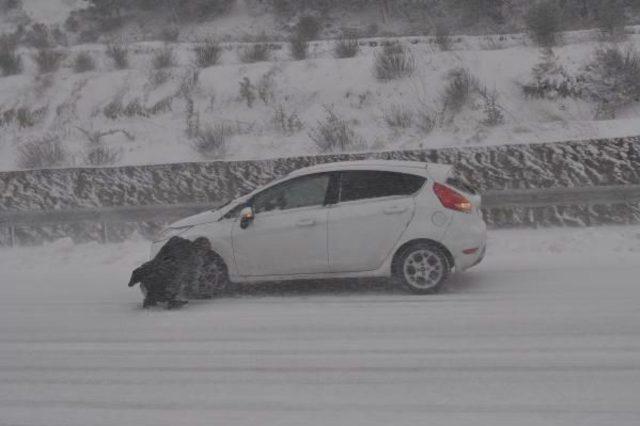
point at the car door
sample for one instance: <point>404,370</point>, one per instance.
<point>373,210</point>
<point>288,235</point>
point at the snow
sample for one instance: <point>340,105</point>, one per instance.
<point>51,12</point>
<point>73,101</point>
<point>544,332</point>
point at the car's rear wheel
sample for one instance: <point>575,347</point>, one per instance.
<point>421,268</point>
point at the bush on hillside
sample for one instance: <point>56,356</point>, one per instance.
<point>163,58</point>
<point>42,153</point>
<point>48,60</point>
<point>461,84</point>
<point>119,54</point>
<point>208,54</point>
<point>543,22</point>
<point>394,62</point>
<point>398,117</point>
<point>257,52</point>
<point>335,134</point>
<point>211,142</point>
<point>83,62</point>
<point>299,46</point>
<point>10,60</point>
<point>612,79</point>
<point>346,46</point>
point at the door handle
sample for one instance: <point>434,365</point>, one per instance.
<point>305,222</point>
<point>395,210</point>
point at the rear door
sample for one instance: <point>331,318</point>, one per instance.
<point>373,210</point>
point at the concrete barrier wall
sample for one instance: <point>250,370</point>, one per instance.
<point>563,164</point>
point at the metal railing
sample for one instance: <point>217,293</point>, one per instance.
<point>593,195</point>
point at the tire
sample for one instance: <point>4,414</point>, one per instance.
<point>421,268</point>
<point>212,277</point>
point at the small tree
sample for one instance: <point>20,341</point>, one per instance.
<point>543,22</point>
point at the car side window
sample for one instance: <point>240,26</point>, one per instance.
<point>305,191</point>
<point>362,185</point>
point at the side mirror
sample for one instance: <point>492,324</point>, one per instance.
<point>246,217</point>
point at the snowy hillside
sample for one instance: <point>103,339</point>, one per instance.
<point>155,113</point>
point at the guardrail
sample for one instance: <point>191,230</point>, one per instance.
<point>596,195</point>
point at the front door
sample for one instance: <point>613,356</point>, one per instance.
<point>288,235</point>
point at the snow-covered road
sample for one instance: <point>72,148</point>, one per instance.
<point>545,332</point>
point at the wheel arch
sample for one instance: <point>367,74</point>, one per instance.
<point>440,246</point>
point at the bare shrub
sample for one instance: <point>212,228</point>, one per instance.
<point>458,90</point>
<point>113,109</point>
<point>257,52</point>
<point>101,155</point>
<point>41,153</point>
<point>426,121</point>
<point>162,106</point>
<point>543,22</point>
<point>299,46</point>
<point>48,60</point>
<point>443,37</point>
<point>37,36</point>
<point>119,54</point>
<point>346,46</point>
<point>211,142</point>
<point>612,79</point>
<point>247,91</point>
<point>493,111</point>
<point>208,54</point>
<point>286,122</point>
<point>394,62</point>
<point>266,87</point>
<point>135,109</point>
<point>398,117</point>
<point>10,60</point>
<point>335,134</point>
<point>83,62</point>
<point>163,58</point>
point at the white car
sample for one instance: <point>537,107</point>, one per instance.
<point>410,221</point>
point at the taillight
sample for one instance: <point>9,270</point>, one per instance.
<point>451,199</point>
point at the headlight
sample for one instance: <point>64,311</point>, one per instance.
<point>174,232</point>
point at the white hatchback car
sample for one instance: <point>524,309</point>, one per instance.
<point>410,221</point>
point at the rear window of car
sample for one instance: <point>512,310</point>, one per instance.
<point>362,185</point>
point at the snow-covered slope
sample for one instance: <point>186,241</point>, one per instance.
<point>543,332</point>
<point>157,118</point>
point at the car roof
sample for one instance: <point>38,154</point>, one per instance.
<point>435,171</point>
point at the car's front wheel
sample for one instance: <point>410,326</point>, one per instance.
<point>421,268</point>
<point>211,277</point>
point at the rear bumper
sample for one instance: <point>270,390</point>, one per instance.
<point>464,233</point>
